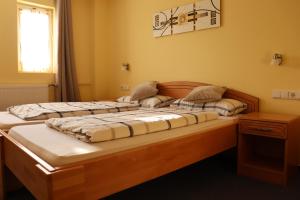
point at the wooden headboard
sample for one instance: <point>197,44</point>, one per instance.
<point>180,89</point>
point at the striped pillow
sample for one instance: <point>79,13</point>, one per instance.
<point>225,107</point>
<point>157,101</point>
<point>181,103</point>
<point>126,99</point>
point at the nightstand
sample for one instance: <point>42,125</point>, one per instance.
<point>268,146</point>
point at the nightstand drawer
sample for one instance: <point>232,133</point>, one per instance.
<point>268,129</point>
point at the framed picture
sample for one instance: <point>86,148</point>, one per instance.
<point>203,14</point>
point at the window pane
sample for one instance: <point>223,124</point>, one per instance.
<point>35,46</point>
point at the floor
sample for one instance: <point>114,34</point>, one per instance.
<point>212,179</point>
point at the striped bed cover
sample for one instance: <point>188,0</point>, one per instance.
<point>105,127</point>
<point>44,111</point>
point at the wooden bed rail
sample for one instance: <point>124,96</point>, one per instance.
<point>40,179</point>
<point>68,184</point>
<point>98,179</point>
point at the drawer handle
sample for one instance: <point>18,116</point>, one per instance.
<point>262,129</point>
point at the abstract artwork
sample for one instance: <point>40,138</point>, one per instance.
<point>203,14</point>
<point>162,23</point>
<point>183,19</point>
<point>207,14</point>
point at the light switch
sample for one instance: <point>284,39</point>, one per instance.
<point>276,94</point>
<point>284,94</point>
<point>298,95</point>
<point>292,94</point>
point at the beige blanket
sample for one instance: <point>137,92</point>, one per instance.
<point>43,111</point>
<point>98,128</point>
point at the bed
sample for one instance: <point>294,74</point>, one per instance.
<point>8,120</point>
<point>52,176</point>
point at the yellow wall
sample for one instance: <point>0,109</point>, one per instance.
<point>100,49</point>
<point>83,27</point>
<point>90,40</point>
<point>236,55</point>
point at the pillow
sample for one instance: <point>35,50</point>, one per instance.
<point>204,94</point>
<point>181,103</point>
<point>126,99</point>
<point>225,107</point>
<point>144,90</point>
<point>157,101</point>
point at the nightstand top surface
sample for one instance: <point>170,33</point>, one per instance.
<point>281,118</point>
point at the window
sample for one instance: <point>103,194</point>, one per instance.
<point>35,28</point>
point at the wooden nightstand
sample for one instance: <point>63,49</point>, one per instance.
<point>268,147</point>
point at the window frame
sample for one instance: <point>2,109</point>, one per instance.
<point>45,9</point>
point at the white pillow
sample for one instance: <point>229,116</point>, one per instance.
<point>181,103</point>
<point>157,101</point>
<point>126,99</point>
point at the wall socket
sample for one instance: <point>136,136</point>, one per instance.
<point>286,94</point>
<point>124,87</point>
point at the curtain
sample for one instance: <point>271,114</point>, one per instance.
<point>66,77</point>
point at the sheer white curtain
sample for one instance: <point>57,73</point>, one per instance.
<point>35,40</point>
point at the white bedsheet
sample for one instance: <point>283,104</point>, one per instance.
<point>8,121</point>
<point>59,149</point>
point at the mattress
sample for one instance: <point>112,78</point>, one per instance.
<point>8,121</point>
<point>58,149</point>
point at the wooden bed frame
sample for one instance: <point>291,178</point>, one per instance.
<point>100,177</point>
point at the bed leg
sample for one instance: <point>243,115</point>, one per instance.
<point>2,170</point>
